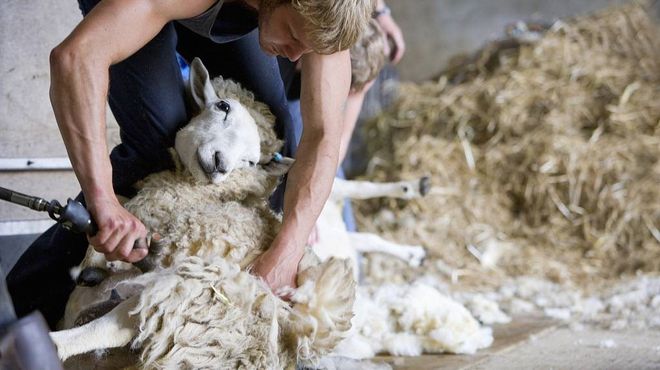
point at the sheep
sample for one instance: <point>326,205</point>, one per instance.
<point>405,319</point>
<point>201,308</point>
<point>335,240</point>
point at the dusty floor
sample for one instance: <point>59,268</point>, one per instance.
<point>538,343</point>
<point>506,336</point>
<point>588,349</point>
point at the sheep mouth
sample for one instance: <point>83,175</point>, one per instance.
<point>209,169</point>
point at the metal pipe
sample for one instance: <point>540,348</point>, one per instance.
<point>35,164</point>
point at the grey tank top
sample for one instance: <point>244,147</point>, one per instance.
<point>233,22</point>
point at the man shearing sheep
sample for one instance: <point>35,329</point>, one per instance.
<point>124,51</point>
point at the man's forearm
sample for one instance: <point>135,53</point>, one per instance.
<point>308,187</point>
<point>325,84</point>
<point>351,114</point>
<point>78,91</point>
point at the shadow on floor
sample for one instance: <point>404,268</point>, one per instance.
<point>12,248</point>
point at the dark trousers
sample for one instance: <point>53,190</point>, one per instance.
<point>147,97</point>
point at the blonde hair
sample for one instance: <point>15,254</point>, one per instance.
<point>331,25</point>
<point>368,56</point>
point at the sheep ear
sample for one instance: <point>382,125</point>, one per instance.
<point>200,85</point>
<point>278,168</point>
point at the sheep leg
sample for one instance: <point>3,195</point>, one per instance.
<point>115,329</point>
<point>366,242</point>
<point>366,189</point>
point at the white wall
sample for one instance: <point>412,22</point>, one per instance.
<point>437,29</point>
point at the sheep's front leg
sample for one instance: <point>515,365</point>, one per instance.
<point>115,329</point>
<point>366,189</point>
<point>366,242</point>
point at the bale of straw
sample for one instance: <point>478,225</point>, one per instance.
<point>546,162</point>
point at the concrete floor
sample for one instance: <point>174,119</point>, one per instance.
<point>538,343</point>
<point>589,349</point>
<point>505,336</point>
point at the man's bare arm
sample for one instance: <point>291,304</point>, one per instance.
<point>325,84</point>
<point>351,115</point>
<point>112,31</point>
<point>392,31</point>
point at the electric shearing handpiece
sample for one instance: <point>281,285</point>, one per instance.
<point>73,216</point>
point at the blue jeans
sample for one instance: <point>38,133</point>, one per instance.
<point>147,97</point>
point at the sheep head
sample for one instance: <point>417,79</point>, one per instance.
<point>224,135</point>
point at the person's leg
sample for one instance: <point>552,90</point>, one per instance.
<point>244,61</point>
<point>40,280</point>
<point>147,98</point>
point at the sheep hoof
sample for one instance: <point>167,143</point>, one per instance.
<point>91,276</point>
<point>152,260</point>
<point>423,259</point>
<point>424,185</point>
<point>99,309</point>
<point>416,256</point>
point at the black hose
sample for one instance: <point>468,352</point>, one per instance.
<point>5,194</point>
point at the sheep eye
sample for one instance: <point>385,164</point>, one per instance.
<point>251,163</point>
<point>223,106</point>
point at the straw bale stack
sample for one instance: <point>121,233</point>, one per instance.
<point>545,157</point>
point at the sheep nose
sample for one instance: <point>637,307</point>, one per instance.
<point>220,165</point>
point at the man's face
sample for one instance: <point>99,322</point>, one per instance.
<point>282,32</point>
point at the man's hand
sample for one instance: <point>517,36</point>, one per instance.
<point>393,32</point>
<point>278,266</point>
<point>119,231</point>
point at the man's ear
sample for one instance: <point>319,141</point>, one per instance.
<point>200,86</point>
<point>278,167</point>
